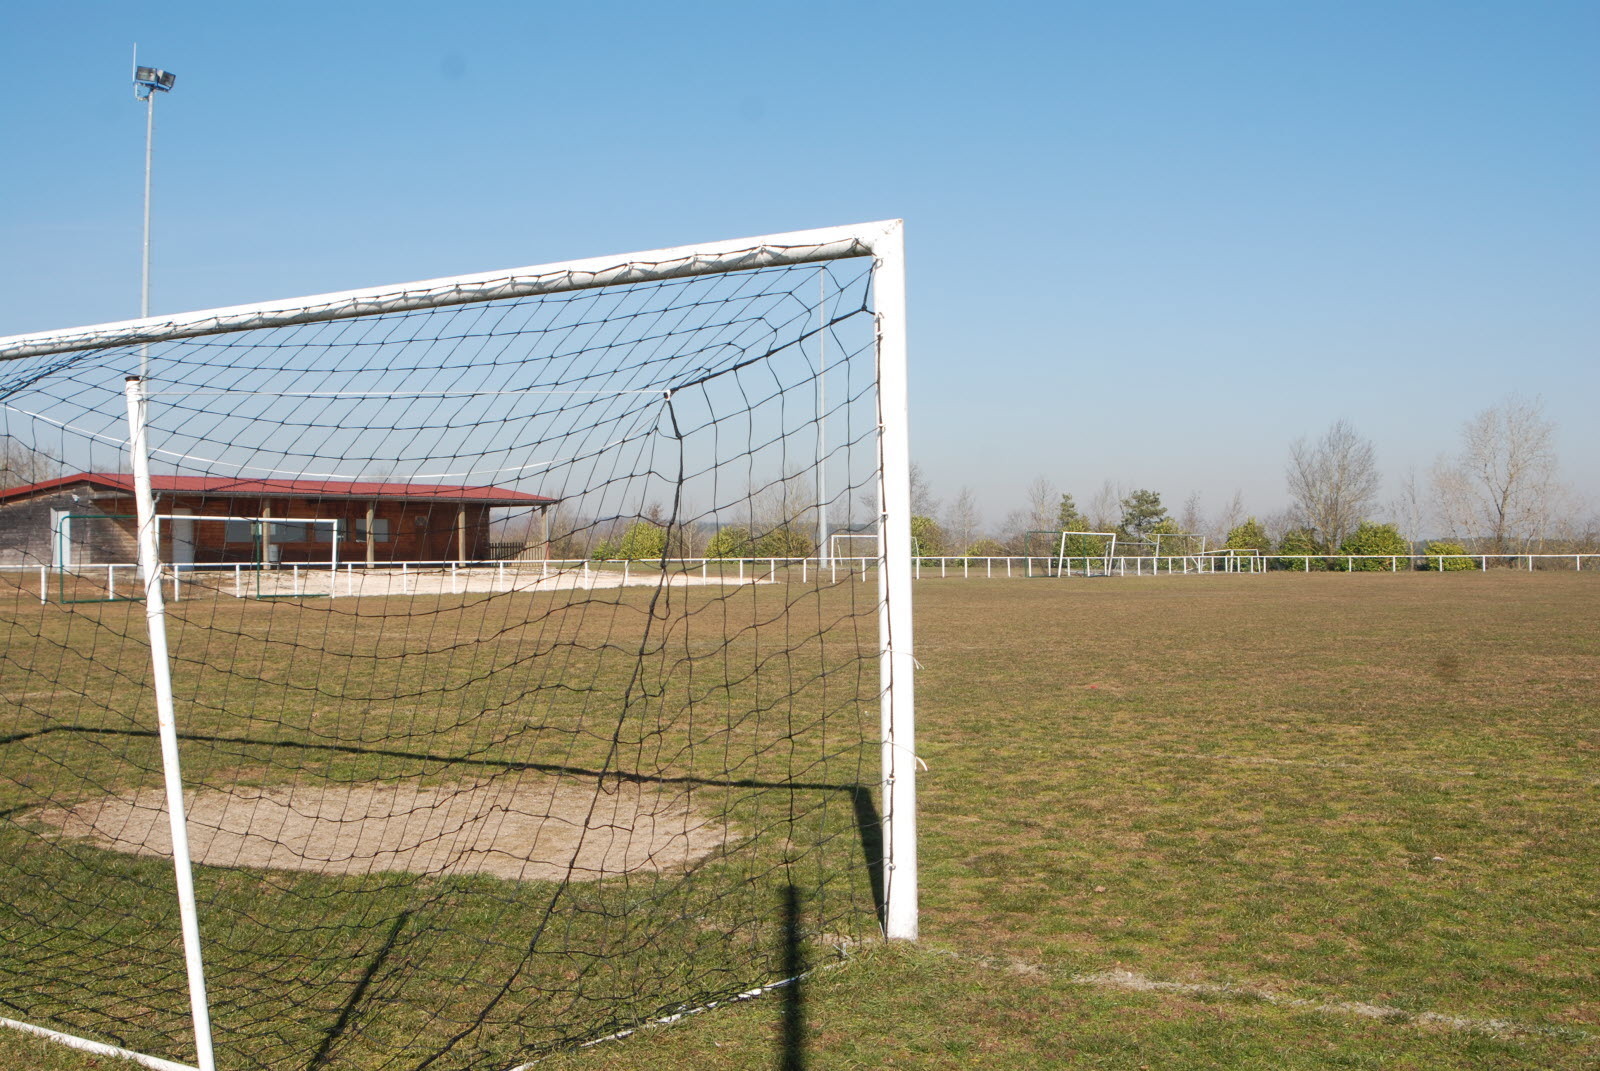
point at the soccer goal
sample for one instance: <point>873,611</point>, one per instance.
<point>93,558</point>
<point>856,546</point>
<point>1064,551</point>
<point>1178,544</point>
<point>441,825</point>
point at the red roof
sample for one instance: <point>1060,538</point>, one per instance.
<point>228,487</point>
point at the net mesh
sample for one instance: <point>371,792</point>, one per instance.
<point>508,707</point>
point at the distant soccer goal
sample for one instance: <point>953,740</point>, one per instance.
<point>1068,553</point>
<point>1178,544</point>
<point>499,802</point>
<point>858,545</point>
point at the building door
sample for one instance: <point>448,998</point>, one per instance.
<point>60,539</point>
<point>182,539</point>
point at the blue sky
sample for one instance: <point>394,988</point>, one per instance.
<point>1150,242</point>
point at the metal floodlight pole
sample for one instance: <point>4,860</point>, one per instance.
<point>147,82</point>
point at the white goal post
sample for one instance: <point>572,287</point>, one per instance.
<point>1069,547</point>
<point>153,429</point>
<point>857,545</point>
<point>1190,549</point>
<point>264,535</point>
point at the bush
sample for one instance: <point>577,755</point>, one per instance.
<point>986,548</point>
<point>730,543</point>
<point>642,542</point>
<point>1251,535</point>
<point>1081,546</point>
<point>1440,559</point>
<point>1374,538</point>
<point>1300,541</point>
<point>927,537</point>
<point>785,542</point>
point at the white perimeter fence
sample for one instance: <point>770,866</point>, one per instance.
<point>119,580</point>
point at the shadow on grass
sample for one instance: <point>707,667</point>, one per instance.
<point>321,1058</point>
<point>792,1054</point>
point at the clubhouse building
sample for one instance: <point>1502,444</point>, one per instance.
<point>88,518</point>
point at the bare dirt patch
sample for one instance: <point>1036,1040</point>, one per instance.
<point>529,827</point>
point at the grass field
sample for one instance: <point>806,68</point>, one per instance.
<point>1288,821</point>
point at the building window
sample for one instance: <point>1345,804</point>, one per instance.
<point>290,532</point>
<point>380,529</point>
<point>239,532</point>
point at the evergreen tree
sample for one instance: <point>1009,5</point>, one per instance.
<point>1142,511</point>
<point>1068,519</point>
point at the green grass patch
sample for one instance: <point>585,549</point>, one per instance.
<point>1327,788</point>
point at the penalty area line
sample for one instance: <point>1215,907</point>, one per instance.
<point>1132,981</point>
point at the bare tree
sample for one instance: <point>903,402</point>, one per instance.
<point>1105,508</point>
<point>1408,509</point>
<point>963,518</point>
<point>923,504</point>
<point>1230,516</point>
<point>1277,524</point>
<point>1333,482</point>
<point>21,464</point>
<point>1192,518</point>
<point>1043,504</point>
<point>1502,487</point>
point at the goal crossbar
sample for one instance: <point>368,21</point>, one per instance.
<point>679,262</point>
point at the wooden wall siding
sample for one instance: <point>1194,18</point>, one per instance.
<point>26,535</point>
<point>434,539</point>
<point>418,531</point>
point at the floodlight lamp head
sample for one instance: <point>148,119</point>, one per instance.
<point>147,80</point>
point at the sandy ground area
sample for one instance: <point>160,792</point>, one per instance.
<point>525,826</point>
